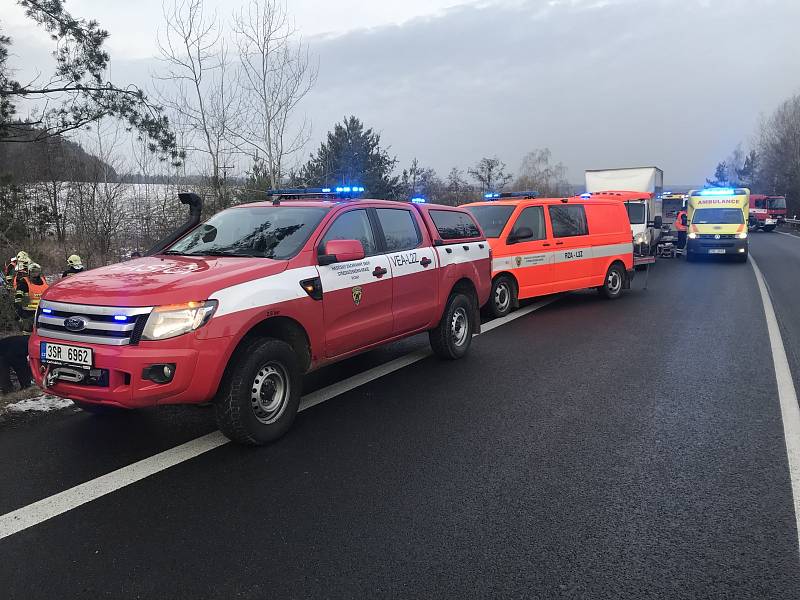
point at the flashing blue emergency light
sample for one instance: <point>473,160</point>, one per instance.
<point>491,195</point>
<point>47,311</point>
<point>120,317</point>
<point>418,200</point>
<point>718,192</point>
<point>586,195</point>
<point>326,190</point>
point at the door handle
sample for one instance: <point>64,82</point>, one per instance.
<point>379,272</point>
<point>425,261</point>
<point>559,243</point>
<point>545,244</point>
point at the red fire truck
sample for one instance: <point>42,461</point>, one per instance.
<point>766,212</point>
<point>235,310</point>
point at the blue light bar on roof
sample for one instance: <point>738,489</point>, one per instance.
<point>349,189</point>
<point>586,195</point>
<point>491,195</point>
<point>718,192</point>
<point>418,200</point>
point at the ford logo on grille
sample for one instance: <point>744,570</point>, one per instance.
<point>74,324</point>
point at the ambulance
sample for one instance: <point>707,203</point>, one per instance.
<point>717,222</point>
<point>548,245</point>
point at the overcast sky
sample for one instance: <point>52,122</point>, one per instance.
<point>602,83</point>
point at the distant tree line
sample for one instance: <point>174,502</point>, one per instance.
<point>772,164</point>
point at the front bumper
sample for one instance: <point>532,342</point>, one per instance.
<point>712,247</point>
<point>198,369</point>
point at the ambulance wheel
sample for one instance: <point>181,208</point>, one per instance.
<point>259,396</point>
<point>452,337</point>
<point>742,258</point>
<point>503,298</point>
<point>614,282</point>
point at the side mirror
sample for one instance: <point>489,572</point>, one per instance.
<point>658,221</point>
<point>684,220</point>
<point>520,234</point>
<point>341,251</point>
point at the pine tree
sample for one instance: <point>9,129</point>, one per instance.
<point>352,155</point>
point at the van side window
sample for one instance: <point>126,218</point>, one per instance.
<point>454,225</point>
<point>533,218</point>
<point>568,220</point>
<point>352,225</point>
<point>399,229</point>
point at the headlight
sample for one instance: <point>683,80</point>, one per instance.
<point>640,239</point>
<point>742,236</point>
<point>173,320</point>
<point>693,236</point>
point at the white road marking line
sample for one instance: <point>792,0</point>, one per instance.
<point>57,504</point>
<point>790,411</point>
<point>52,506</point>
<point>787,234</point>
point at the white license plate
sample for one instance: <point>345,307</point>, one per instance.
<point>61,354</point>
<point>717,251</point>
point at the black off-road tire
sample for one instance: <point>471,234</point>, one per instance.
<point>614,282</point>
<point>452,337</point>
<point>503,298</point>
<point>240,416</point>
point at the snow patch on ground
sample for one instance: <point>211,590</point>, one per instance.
<point>40,404</point>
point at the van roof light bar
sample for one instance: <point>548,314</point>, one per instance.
<point>499,195</point>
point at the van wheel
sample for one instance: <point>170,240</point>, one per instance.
<point>504,296</point>
<point>742,258</point>
<point>453,335</point>
<point>258,400</point>
<point>614,282</point>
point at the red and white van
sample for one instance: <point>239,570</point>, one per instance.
<point>546,245</point>
<point>235,310</point>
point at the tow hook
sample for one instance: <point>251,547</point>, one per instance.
<point>48,378</point>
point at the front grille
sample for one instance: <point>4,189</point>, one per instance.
<point>99,323</point>
<point>712,236</point>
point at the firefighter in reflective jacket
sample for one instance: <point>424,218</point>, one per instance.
<point>681,227</point>
<point>29,290</point>
<point>74,265</point>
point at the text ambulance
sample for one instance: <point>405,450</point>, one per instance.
<point>717,222</point>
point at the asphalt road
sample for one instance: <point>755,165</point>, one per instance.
<point>591,449</point>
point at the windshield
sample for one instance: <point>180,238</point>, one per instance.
<point>718,216</point>
<point>636,212</point>
<point>492,219</point>
<point>265,232</point>
<point>777,202</point>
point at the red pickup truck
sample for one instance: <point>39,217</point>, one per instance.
<point>237,309</point>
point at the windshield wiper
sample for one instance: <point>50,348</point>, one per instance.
<point>174,253</point>
<point>222,253</point>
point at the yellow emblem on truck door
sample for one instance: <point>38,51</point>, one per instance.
<point>357,295</point>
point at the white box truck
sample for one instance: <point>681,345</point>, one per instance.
<point>644,211</point>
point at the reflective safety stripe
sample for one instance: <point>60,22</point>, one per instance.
<point>272,289</point>
<point>523,261</point>
<point>457,253</point>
